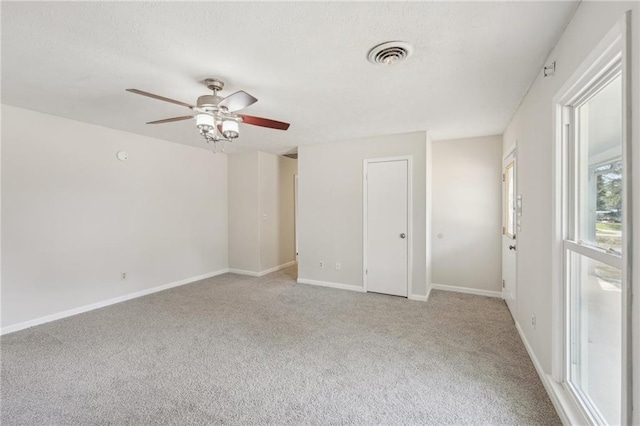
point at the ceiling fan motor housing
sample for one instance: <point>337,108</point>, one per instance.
<point>209,100</point>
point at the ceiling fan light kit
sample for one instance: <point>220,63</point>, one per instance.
<point>205,122</point>
<point>215,115</point>
<point>230,129</point>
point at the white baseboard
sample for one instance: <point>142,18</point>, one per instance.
<point>102,304</point>
<point>331,285</point>
<point>466,290</point>
<point>418,297</point>
<point>243,272</point>
<point>277,268</point>
<point>568,412</point>
<point>359,289</point>
<point>262,273</point>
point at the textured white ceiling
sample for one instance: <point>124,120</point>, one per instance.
<point>305,62</point>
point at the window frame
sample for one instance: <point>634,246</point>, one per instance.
<point>609,58</point>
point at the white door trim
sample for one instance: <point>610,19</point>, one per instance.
<point>512,151</point>
<point>513,154</point>
<point>365,165</point>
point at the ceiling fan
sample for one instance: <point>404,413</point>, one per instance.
<point>215,115</point>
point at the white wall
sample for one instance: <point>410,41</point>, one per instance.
<point>74,217</point>
<point>532,128</point>
<point>467,222</point>
<point>429,214</point>
<point>330,206</point>
<point>244,215</point>
<point>261,211</point>
<point>277,226</point>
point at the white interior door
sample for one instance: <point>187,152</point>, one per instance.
<point>387,232</point>
<point>509,231</point>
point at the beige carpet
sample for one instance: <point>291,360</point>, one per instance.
<point>241,350</point>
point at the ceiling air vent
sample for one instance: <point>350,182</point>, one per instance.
<point>390,53</point>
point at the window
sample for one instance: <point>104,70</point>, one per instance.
<point>594,249</point>
<point>591,212</point>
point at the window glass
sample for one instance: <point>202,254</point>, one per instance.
<point>596,335</point>
<point>600,168</point>
<point>609,206</point>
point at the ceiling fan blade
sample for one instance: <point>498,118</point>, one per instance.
<point>264,122</point>
<point>158,97</point>
<point>237,101</point>
<point>169,120</point>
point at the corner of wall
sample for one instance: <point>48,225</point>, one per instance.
<point>259,154</point>
<point>429,237</point>
<point>244,190</point>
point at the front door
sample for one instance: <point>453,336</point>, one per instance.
<point>509,230</point>
<point>386,226</point>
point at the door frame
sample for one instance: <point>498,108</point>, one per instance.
<point>516,226</point>
<point>365,202</point>
<point>295,213</point>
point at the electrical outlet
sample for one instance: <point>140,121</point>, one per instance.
<point>123,276</point>
<point>338,266</point>
<point>533,321</point>
<point>321,264</point>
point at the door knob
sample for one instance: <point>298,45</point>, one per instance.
<point>403,235</point>
<point>512,247</point>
